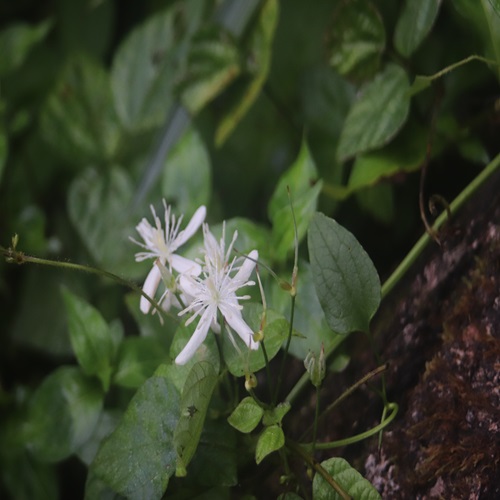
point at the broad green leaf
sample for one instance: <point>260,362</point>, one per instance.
<point>62,414</point>
<point>187,176</point>
<point>378,202</point>
<point>195,398</point>
<point>213,63</point>
<point>346,281</point>
<point>357,39</point>
<point>78,119</point>
<point>413,25</point>
<point>208,352</point>
<point>242,360</point>
<point>271,439</point>
<point>97,208</point>
<point>138,458</point>
<point>377,116</point>
<point>246,416</point>
<point>217,458</point>
<point>16,41</point>
<point>260,48</point>
<point>137,360</point>
<point>348,478</point>
<point>91,338</point>
<point>302,181</point>
<point>275,416</point>
<point>496,6</point>
<point>142,73</point>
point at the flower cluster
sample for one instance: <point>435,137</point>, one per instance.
<point>203,287</point>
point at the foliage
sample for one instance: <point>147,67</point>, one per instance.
<point>303,126</point>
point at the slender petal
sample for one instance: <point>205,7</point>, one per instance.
<point>185,266</point>
<point>199,335</point>
<point>247,267</point>
<point>238,324</point>
<point>193,225</point>
<point>149,288</point>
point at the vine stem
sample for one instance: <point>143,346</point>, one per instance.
<point>309,460</point>
<point>425,239</point>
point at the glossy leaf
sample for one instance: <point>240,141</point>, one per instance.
<point>377,115</point>
<point>357,39</point>
<point>346,281</point>
<point>195,398</point>
<point>302,181</point>
<point>138,458</point>
<point>96,208</point>
<point>16,41</point>
<point>78,119</point>
<point>213,63</point>
<point>142,73</point>
<point>75,404</point>
<point>413,25</point>
<point>271,439</point>
<point>260,45</point>
<point>137,360</point>
<point>187,176</point>
<point>246,416</point>
<point>348,478</point>
<point>243,360</point>
<point>91,338</point>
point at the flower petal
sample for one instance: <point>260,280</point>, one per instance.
<point>149,288</point>
<point>193,225</point>
<point>196,339</point>
<point>238,324</point>
<point>247,267</point>
<point>185,266</point>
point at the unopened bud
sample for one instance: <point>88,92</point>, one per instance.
<point>250,381</point>
<point>316,367</point>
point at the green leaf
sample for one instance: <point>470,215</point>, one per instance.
<point>137,360</point>
<point>246,416</point>
<point>271,439</point>
<point>242,360</point>
<point>357,39</point>
<point>138,458</point>
<point>260,48</point>
<point>196,396</point>
<point>378,115</point>
<point>348,478</point>
<point>496,6</point>
<point>96,207</point>
<point>186,181</point>
<point>91,338</point>
<point>142,73</point>
<point>275,416</point>
<point>213,63</point>
<point>302,180</point>
<point>62,414</point>
<point>78,119</point>
<point>414,24</point>
<point>346,281</point>
<point>16,41</point>
<point>378,202</point>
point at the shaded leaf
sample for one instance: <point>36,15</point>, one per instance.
<point>346,281</point>
<point>275,416</point>
<point>195,398</point>
<point>377,115</point>
<point>413,25</point>
<point>137,360</point>
<point>75,403</point>
<point>138,458</point>
<point>78,119</point>
<point>357,39</point>
<point>348,478</point>
<point>271,439</point>
<point>302,180</point>
<point>91,338</point>
<point>260,46</point>
<point>187,176</point>
<point>246,416</point>
<point>16,41</point>
<point>213,63</point>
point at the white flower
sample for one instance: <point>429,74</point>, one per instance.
<point>215,290</point>
<point>161,245</point>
